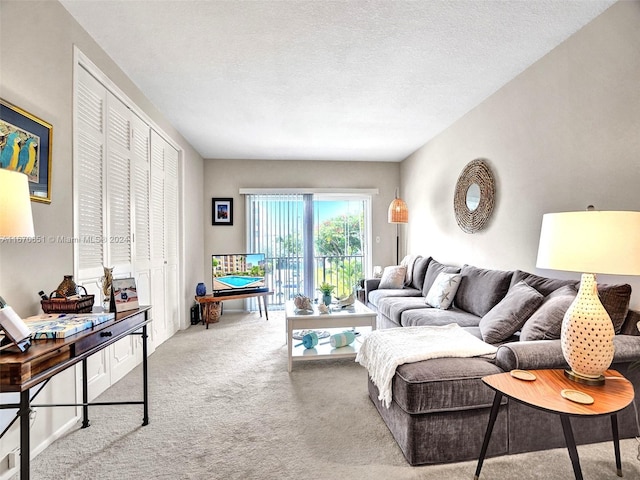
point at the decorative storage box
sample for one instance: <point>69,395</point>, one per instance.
<point>84,304</point>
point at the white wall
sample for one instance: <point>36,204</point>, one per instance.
<point>224,178</point>
<point>36,49</point>
<point>562,135</point>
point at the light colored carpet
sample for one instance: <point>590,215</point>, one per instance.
<point>224,407</point>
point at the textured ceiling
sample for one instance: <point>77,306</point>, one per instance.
<point>324,80</point>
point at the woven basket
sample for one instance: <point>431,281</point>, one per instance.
<point>84,304</point>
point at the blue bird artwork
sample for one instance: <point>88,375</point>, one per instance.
<point>27,156</point>
<point>9,155</point>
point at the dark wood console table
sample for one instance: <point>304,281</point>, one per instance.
<point>212,306</point>
<point>19,372</point>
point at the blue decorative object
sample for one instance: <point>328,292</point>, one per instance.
<point>310,340</point>
<point>326,299</point>
<point>201,289</point>
<point>342,339</point>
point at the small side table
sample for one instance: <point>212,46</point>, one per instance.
<point>544,394</point>
<point>212,305</point>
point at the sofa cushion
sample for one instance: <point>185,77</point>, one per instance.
<point>393,277</point>
<point>443,290</point>
<point>546,322</point>
<point>443,384</point>
<point>435,316</point>
<point>480,289</point>
<point>392,307</point>
<point>433,269</point>
<point>419,271</point>
<point>375,296</point>
<point>544,285</point>
<point>615,299</point>
<point>508,316</point>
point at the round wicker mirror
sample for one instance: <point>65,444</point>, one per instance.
<point>475,176</point>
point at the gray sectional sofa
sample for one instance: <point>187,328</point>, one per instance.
<point>440,407</point>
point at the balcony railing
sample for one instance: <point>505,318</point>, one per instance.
<point>285,276</point>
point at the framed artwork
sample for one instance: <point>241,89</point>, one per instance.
<point>222,211</point>
<point>125,294</point>
<point>25,146</point>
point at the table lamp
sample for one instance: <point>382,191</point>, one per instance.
<point>15,205</point>
<point>606,242</point>
<point>15,221</point>
<point>398,213</point>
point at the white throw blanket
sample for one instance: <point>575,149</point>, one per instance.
<point>383,350</point>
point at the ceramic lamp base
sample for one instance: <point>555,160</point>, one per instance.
<point>587,333</point>
<point>576,377</point>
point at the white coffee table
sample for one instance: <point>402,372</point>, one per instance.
<point>335,322</point>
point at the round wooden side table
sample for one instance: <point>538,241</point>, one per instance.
<point>546,393</point>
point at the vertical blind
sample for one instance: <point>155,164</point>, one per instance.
<point>276,227</point>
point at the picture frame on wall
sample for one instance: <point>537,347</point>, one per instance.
<point>25,146</point>
<point>222,211</point>
<point>124,295</point>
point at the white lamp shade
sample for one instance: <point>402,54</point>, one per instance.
<point>16,219</point>
<point>605,242</point>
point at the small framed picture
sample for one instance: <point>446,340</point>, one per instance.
<point>222,211</point>
<point>125,294</point>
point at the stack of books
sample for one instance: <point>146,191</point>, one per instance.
<point>62,325</point>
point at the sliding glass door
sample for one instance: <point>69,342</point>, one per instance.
<point>309,239</point>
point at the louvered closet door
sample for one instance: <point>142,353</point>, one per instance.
<point>171,235</point>
<point>119,174</point>
<point>141,202</point>
<point>104,210</point>
<point>159,328</point>
<point>90,138</point>
<point>90,189</point>
<point>127,353</point>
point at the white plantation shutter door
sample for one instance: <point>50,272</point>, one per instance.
<point>119,185</point>
<point>141,180</point>
<point>171,206</point>
<point>157,196</point>
<point>91,111</point>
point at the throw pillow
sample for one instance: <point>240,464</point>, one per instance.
<point>615,300</point>
<point>409,261</point>
<point>481,289</point>
<point>443,290</point>
<point>508,316</point>
<point>545,285</point>
<point>433,270</point>
<point>393,277</point>
<point>419,271</point>
<point>546,321</point>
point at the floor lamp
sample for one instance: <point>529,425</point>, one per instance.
<point>398,213</point>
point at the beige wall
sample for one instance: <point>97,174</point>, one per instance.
<point>36,49</point>
<point>224,178</point>
<point>562,135</point>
